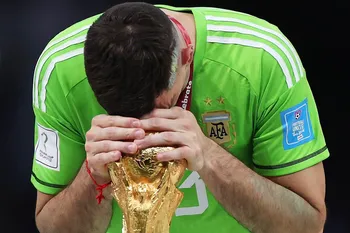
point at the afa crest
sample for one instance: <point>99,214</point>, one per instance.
<point>217,125</point>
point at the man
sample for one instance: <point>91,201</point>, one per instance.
<point>246,120</point>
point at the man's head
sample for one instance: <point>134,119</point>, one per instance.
<point>136,59</point>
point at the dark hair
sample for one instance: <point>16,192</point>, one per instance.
<point>128,56</point>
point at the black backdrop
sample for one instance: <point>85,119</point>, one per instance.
<point>317,31</point>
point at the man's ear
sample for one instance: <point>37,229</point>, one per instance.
<point>187,55</point>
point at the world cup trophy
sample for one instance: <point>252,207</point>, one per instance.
<point>146,190</point>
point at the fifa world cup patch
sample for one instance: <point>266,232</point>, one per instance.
<point>47,148</point>
<point>297,127</point>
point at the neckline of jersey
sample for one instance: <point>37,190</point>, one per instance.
<point>201,34</point>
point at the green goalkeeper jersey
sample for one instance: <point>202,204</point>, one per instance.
<point>250,95</point>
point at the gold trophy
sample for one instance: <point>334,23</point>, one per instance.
<point>146,191</point>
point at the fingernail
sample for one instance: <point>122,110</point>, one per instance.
<point>116,155</point>
<point>160,156</point>
<point>135,123</point>
<point>138,142</point>
<point>139,134</point>
<point>132,147</point>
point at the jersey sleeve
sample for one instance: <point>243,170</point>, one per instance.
<point>288,136</point>
<point>59,147</point>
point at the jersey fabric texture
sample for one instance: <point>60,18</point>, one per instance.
<point>250,95</point>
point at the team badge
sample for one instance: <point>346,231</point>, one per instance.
<point>217,125</point>
<point>297,127</point>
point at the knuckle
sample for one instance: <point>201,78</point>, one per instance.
<point>88,147</point>
<point>178,110</point>
<point>168,137</point>
<point>110,132</point>
<point>106,146</point>
<point>97,119</point>
<point>90,135</point>
<point>128,122</point>
<point>110,120</point>
<point>187,125</point>
<point>129,134</point>
<point>155,122</point>
<point>99,159</point>
<point>94,121</point>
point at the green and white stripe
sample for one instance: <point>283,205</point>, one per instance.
<point>265,37</point>
<point>50,52</point>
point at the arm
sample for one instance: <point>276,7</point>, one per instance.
<point>262,205</point>
<point>75,208</point>
<point>66,195</point>
<point>66,200</point>
<point>293,203</point>
<point>288,146</point>
<point>290,202</point>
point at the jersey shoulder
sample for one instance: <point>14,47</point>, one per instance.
<point>73,30</point>
<point>61,65</point>
<point>253,47</point>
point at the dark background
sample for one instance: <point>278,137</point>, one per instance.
<point>317,30</point>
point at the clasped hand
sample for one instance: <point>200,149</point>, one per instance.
<point>111,136</point>
<point>177,128</point>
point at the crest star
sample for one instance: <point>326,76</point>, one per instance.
<point>221,100</point>
<point>207,101</point>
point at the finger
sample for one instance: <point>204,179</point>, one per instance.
<point>172,113</point>
<point>115,121</point>
<point>101,159</point>
<point>176,154</point>
<point>114,133</point>
<point>108,146</point>
<point>161,124</point>
<point>162,139</point>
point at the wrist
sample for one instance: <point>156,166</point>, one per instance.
<point>210,151</point>
<point>100,183</point>
<point>101,187</point>
<point>215,158</point>
<point>95,177</point>
<point>100,180</point>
